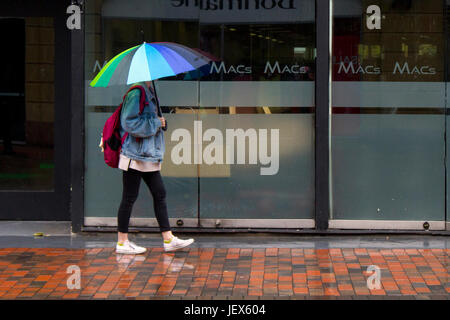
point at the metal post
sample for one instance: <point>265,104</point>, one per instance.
<point>77,128</point>
<point>323,113</point>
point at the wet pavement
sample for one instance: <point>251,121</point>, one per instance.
<point>152,240</point>
<point>226,266</point>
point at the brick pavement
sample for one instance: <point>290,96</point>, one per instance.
<point>225,273</point>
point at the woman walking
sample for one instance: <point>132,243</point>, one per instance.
<point>141,156</point>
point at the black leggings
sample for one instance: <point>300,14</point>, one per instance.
<point>131,182</point>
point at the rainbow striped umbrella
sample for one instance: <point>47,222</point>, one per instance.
<point>202,71</point>
<point>147,62</point>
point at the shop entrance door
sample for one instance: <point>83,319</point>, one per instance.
<point>34,95</point>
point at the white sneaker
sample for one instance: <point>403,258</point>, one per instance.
<point>176,244</point>
<point>129,247</point>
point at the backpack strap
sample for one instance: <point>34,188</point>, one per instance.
<point>142,101</point>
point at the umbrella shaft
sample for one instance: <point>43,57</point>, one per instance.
<point>157,100</point>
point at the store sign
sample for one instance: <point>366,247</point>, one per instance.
<point>220,150</point>
<point>221,67</point>
<point>214,11</point>
<point>270,68</point>
<point>236,4</point>
<point>277,68</point>
<point>98,66</point>
<point>419,70</point>
<point>353,67</point>
<point>357,68</point>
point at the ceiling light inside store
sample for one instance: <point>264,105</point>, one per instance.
<point>299,50</point>
<point>232,29</point>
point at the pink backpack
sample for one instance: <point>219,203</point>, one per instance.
<point>111,135</point>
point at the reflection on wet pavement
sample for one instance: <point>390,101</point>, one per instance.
<point>254,272</point>
<point>256,241</point>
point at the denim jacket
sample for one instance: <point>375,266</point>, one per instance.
<point>146,126</point>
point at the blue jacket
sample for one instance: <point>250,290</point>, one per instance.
<point>146,126</point>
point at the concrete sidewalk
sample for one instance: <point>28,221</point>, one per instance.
<point>17,234</point>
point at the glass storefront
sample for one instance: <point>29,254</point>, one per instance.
<point>240,148</point>
<point>240,143</point>
<point>388,121</point>
<point>447,102</point>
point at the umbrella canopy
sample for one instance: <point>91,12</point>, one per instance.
<point>202,71</point>
<point>198,73</point>
<point>148,62</point>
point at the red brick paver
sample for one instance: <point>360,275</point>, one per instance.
<point>42,273</point>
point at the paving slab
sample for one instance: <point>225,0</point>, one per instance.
<point>43,273</point>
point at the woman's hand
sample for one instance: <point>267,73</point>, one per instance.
<point>163,122</point>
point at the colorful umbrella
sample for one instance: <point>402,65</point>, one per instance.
<point>148,62</point>
<point>198,73</point>
<point>204,70</point>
